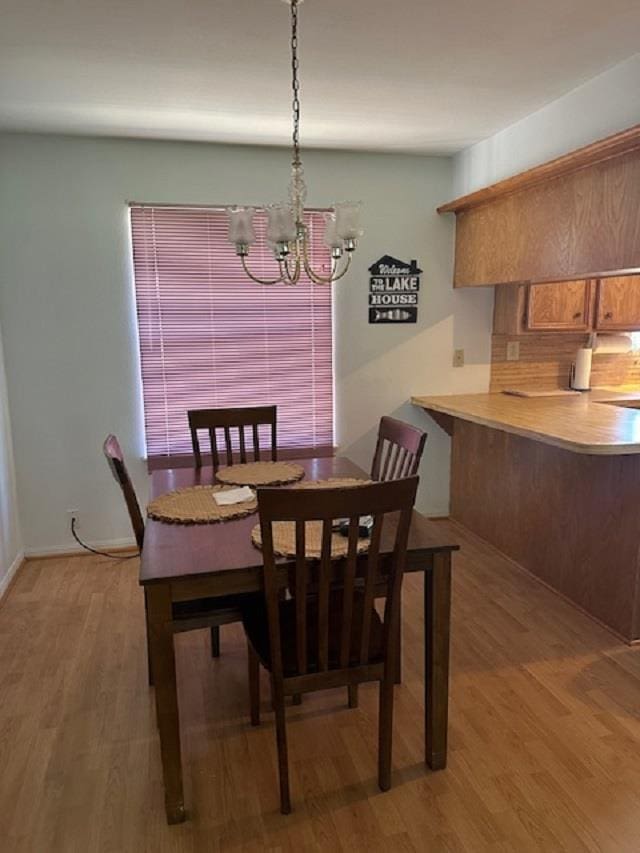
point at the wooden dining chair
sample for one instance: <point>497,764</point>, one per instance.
<point>187,616</point>
<point>398,450</point>
<point>328,633</point>
<point>230,420</point>
<point>398,453</point>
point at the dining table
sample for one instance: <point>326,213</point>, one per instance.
<point>187,562</point>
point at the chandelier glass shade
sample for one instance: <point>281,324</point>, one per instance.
<point>286,232</point>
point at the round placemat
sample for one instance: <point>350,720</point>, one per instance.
<point>261,474</point>
<point>284,540</point>
<point>196,505</point>
<point>333,483</point>
<point>284,532</point>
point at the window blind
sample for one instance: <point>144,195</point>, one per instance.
<point>210,337</point>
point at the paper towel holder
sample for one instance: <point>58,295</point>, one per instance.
<point>580,375</point>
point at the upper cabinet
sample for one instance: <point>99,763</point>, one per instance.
<point>559,306</point>
<point>618,303</point>
<point>608,304</point>
<point>570,217</point>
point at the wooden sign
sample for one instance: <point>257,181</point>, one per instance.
<point>393,291</point>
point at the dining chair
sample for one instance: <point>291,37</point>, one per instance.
<point>227,420</point>
<point>187,616</point>
<point>398,453</point>
<point>398,450</point>
<point>328,633</point>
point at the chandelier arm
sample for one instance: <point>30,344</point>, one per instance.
<point>261,280</point>
<point>294,277</point>
<point>316,278</point>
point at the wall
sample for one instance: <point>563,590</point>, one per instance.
<point>10,537</point>
<point>602,106</point>
<point>67,306</point>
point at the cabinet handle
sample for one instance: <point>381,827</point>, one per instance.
<point>577,315</point>
<point>608,315</point>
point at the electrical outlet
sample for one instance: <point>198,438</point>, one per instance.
<point>513,351</point>
<point>458,358</point>
<point>71,514</point>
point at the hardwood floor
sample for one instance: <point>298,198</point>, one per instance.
<point>544,738</point>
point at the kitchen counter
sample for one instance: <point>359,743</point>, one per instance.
<point>554,483</point>
<point>602,421</point>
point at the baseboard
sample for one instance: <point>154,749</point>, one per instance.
<point>114,545</point>
<point>13,569</point>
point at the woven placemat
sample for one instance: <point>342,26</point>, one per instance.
<point>261,474</point>
<point>196,505</point>
<point>284,532</point>
<point>333,483</point>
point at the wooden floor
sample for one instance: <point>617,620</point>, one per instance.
<point>544,738</point>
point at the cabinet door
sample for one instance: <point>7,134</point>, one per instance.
<point>559,306</point>
<point>618,303</point>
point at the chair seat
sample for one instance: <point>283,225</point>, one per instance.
<point>256,626</point>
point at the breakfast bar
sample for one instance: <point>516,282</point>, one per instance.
<point>554,483</point>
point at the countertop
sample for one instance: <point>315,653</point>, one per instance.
<point>602,421</point>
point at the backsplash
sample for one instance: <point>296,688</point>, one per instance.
<point>545,362</point>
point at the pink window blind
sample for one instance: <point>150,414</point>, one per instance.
<point>210,337</point>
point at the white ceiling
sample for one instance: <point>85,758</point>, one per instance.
<point>411,75</point>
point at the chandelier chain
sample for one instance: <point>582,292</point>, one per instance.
<point>295,83</point>
<point>289,234</point>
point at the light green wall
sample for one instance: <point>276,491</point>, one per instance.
<point>67,308</point>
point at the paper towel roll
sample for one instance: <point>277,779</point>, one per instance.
<point>581,378</point>
<point>610,344</point>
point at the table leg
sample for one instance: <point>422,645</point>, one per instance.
<point>437,615</point>
<point>164,676</point>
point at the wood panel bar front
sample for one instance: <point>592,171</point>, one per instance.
<point>570,519</point>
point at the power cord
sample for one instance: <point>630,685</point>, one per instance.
<point>99,553</point>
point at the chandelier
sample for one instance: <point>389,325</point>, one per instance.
<point>287,234</point>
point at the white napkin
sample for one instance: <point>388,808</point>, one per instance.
<point>233,496</point>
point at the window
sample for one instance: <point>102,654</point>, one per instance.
<point>210,337</point>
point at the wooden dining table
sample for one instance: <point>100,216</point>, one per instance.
<point>182,563</point>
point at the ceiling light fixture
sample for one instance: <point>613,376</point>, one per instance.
<point>286,232</point>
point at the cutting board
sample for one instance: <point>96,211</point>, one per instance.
<point>559,392</point>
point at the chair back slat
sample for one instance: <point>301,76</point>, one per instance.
<point>213,444</point>
<point>232,423</point>
<point>301,600</point>
<point>272,599</point>
<point>398,450</point>
<point>114,456</point>
<point>228,445</point>
<point>330,591</point>
<point>324,582</point>
<point>348,592</point>
<point>369,586</point>
<point>394,585</point>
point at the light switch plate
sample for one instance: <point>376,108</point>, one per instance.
<point>513,351</point>
<point>458,358</point>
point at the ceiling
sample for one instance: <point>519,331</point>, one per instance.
<point>412,75</point>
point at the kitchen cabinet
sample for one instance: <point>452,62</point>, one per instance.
<point>559,306</point>
<point>583,305</point>
<point>618,303</point>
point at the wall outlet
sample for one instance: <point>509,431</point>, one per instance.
<point>71,514</point>
<point>458,358</point>
<point>513,351</point>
